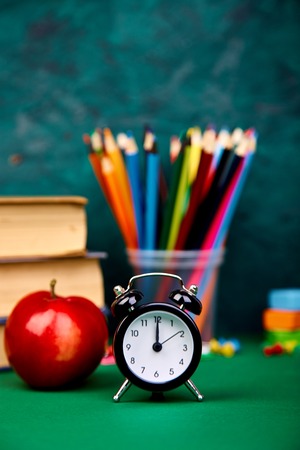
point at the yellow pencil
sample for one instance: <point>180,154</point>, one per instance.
<point>196,140</point>
<point>114,152</point>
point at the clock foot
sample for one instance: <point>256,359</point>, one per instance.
<point>194,390</point>
<point>125,386</point>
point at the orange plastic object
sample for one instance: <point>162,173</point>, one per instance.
<point>277,319</point>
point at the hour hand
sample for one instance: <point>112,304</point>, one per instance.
<point>157,345</point>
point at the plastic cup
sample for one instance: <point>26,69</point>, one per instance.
<point>193,267</point>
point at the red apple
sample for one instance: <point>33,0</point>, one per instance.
<point>52,341</point>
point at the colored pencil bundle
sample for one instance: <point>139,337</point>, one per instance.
<point>194,210</point>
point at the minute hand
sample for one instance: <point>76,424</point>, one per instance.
<point>171,337</point>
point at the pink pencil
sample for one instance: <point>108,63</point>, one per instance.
<point>219,217</point>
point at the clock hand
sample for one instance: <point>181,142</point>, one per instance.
<point>171,337</point>
<point>157,345</point>
<point>157,332</point>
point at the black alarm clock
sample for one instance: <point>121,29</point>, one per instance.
<point>157,345</point>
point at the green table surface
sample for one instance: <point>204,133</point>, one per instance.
<point>251,402</point>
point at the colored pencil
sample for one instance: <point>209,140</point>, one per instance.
<point>95,162</point>
<point>102,170</point>
<point>195,156</point>
<point>117,205</point>
<point>175,148</point>
<point>195,136</point>
<point>207,208</point>
<point>151,191</point>
<point>221,143</point>
<point>133,169</point>
<point>198,187</point>
<point>216,170</point>
<point>114,153</point>
<point>194,210</point>
<point>168,211</point>
<point>180,197</point>
<point>163,185</point>
<point>210,238</point>
<point>218,231</point>
<point>237,190</point>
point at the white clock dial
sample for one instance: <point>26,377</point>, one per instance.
<point>158,346</point>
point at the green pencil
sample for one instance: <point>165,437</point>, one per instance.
<point>180,198</point>
<point>167,216</point>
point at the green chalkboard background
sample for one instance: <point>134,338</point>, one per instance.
<point>68,66</point>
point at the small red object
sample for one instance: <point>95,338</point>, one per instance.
<point>276,349</point>
<point>109,358</point>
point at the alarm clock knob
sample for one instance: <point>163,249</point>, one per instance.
<point>125,301</point>
<point>187,299</point>
<point>193,289</point>
<point>118,290</point>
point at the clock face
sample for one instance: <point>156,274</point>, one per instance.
<point>157,346</point>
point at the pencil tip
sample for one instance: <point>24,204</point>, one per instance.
<point>86,139</point>
<point>96,140</point>
<point>251,132</point>
<point>237,136</point>
<point>122,140</point>
<point>224,139</point>
<point>211,126</point>
<point>196,137</point>
<point>175,147</point>
<point>209,140</point>
<point>149,143</point>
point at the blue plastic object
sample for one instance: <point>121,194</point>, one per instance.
<point>288,299</point>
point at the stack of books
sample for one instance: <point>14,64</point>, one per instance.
<point>42,238</point>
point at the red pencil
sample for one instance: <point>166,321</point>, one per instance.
<point>198,186</point>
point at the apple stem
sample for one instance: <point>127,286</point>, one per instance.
<point>52,288</point>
